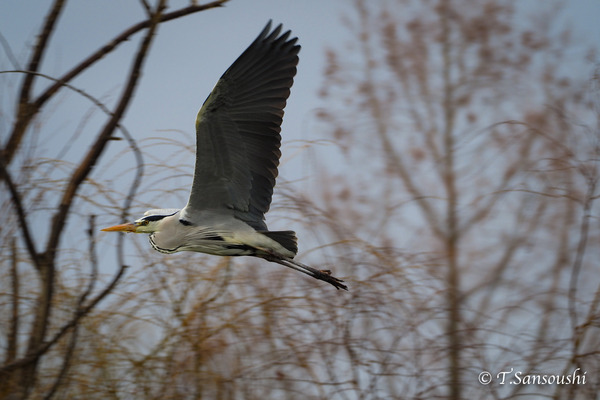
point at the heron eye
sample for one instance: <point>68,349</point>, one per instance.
<point>144,222</point>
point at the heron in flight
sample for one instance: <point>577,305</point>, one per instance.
<point>237,154</point>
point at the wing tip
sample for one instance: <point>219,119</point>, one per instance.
<point>275,36</point>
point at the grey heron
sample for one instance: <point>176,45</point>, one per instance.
<point>237,155</point>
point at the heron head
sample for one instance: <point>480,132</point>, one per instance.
<point>149,223</point>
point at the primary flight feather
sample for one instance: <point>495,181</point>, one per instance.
<point>237,155</point>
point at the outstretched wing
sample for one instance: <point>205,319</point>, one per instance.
<point>237,130</point>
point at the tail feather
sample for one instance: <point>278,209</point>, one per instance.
<point>285,238</point>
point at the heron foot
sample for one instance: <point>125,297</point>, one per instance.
<point>323,274</point>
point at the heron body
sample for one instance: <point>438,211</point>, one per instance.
<point>237,155</point>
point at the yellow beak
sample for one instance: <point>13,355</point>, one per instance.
<point>129,227</point>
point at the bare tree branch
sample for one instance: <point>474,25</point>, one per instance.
<point>18,205</point>
<point>96,149</point>
<point>26,111</point>
<point>146,7</point>
<point>37,347</point>
<point>578,261</point>
<point>80,312</point>
<point>66,361</point>
<point>44,347</point>
<point>11,342</point>
<point>393,157</point>
<point>9,53</point>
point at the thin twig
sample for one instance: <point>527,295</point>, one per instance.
<point>27,113</point>
<point>26,110</point>
<point>222,286</point>
<point>9,53</point>
<point>11,342</point>
<point>18,205</point>
<point>73,339</point>
<point>65,365</point>
<point>132,143</point>
<point>146,7</point>
<point>40,47</point>
<point>119,39</point>
<point>578,262</point>
<point>80,313</point>
<point>93,261</point>
<point>65,328</point>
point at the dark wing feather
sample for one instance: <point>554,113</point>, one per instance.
<point>238,126</point>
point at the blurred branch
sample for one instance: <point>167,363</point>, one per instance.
<point>451,233</point>
<point>112,45</point>
<point>393,157</point>
<point>65,328</point>
<point>146,7</point>
<point>7,379</point>
<point>40,47</point>
<point>139,173</point>
<point>18,205</point>
<point>578,262</point>
<point>28,110</point>
<point>93,261</point>
<point>489,205</point>
<point>11,342</point>
<point>66,362</point>
<point>9,53</point>
<point>79,313</point>
<point>567,151</point>
<point>132,143</point>
<point>497,271</point>
<point>222,286</point>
